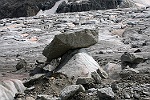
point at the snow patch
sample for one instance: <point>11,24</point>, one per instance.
<point>52,10</point>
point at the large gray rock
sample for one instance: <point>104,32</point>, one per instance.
<point>64,42</point>
<point>105,93</point>
<point>78,63</point>
<point>70,91</point>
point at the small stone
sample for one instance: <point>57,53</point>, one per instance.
<point>126,95</point>
<point>84,80</point>
<point>30,98</point>
<point>70,91</point>
<point>33,79</point>
<point>104,93</point>
<point>96,77</point>
<point>127,72</point>
<point>146,93</point>
<point>102,73</point>
<point>92,90</point>
<point>47,97</point>
<point>21,64</point>
<point>136,95</point>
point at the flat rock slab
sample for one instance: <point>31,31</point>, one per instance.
<point>64,42</point>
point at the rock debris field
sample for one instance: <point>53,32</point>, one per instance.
<point>93,55</point>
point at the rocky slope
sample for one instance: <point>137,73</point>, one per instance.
<point>23,8</point>
<point>26,8</point>
<point>122,51</point>
<point>86,5</point>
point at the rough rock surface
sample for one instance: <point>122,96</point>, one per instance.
<point>106,93</point>
<point>67,41</point>
<point>70,91</point>
<point>25,38</point>
<point>130,60</point>
<point>78,64</point>
<point>86,5</point>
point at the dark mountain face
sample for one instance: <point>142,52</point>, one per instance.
<point>23,8</point>
<point>87,5</point>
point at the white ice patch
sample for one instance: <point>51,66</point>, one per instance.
<point>52,10</point>
<point>141,3</point>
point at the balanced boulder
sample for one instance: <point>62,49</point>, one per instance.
<point>64,42</point>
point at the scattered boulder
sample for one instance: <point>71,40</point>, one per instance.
<point>70,91</point>
<point>106,93</point>
<point>64,42</point>
<point>131,60</point>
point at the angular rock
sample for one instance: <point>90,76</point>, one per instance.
<point>64,42</point>
<point>131,60</point>
<point>70,91</point>
<point>33,79</point>
<point>104,93</point>
<point>21,64</point>
<point>102,73</point>
<point>78,63</point>
<point>84,80</point>
<point>126,95</point>
<point>47,97</point>
<point>96,77</point>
